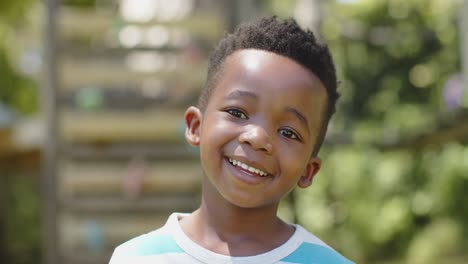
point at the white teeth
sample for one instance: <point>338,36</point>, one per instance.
<point>247,167</point>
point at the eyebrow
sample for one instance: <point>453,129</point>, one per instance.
<point>299,116</point>
<point>240,93</point>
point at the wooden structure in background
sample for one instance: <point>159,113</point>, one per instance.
<point>49,148</point>
<point>113,169</point>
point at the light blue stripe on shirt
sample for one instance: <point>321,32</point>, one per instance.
<point>309,253</point>
<point>150,245</point>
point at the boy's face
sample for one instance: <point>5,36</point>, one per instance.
<point>263,116</point>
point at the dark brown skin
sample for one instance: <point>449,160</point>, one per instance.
<point>266,112</point>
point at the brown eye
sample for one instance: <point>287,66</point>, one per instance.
<point>289,134</point>
<point>237,113</point>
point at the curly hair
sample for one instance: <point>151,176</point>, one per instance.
<point>284,38</point>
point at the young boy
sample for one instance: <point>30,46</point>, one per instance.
<point>260,122</point>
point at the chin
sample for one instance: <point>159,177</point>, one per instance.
<point>237,201</point>
<point>245,203</point>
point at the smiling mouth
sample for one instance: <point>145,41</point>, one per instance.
<point>248,168</point>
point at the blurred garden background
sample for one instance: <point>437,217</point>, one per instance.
<point>92,153</point>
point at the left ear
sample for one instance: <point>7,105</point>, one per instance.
<point>313,166</point>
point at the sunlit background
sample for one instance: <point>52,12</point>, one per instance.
<point>92,94</point>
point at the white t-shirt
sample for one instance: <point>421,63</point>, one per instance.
<point>170,244</point>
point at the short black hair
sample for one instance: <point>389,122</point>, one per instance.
<point>284,38</point>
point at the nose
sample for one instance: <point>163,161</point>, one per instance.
<point>257,137</point>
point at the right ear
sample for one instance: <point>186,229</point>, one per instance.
<point>193,117</point>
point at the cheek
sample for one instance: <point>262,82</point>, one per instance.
<point>217,131</point>
<point>293,158</point>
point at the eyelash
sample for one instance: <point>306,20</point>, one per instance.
<point>241,115</point>
<point>237,113</point>
<point>292,134</point>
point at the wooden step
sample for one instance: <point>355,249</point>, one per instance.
<point>122,151</point>
<point>146,178</point>
<point>98,205</point>
<point>112,72</point>
<point>99,234</point>
<point>109,127</point>
<point>76,22</point>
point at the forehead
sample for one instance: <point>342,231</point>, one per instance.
<point>249,64</point>
<point>268,72</point>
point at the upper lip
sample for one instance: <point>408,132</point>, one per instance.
<point>251,163</point>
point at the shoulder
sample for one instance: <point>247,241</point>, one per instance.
<point>313,250</point>
<point>157,242</point>
<point>153,243</point>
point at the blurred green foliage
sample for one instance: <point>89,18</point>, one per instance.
<point>19,199</point>
<point>376,203</point>
<point>21,219</point>
<point>79,3</point>
<point>16,90</point>
<point>13,12</point>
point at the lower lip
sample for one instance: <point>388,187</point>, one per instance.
<point>246,176</point>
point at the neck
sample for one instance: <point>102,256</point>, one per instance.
<point>227,220</point>
<point>225,228</point>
